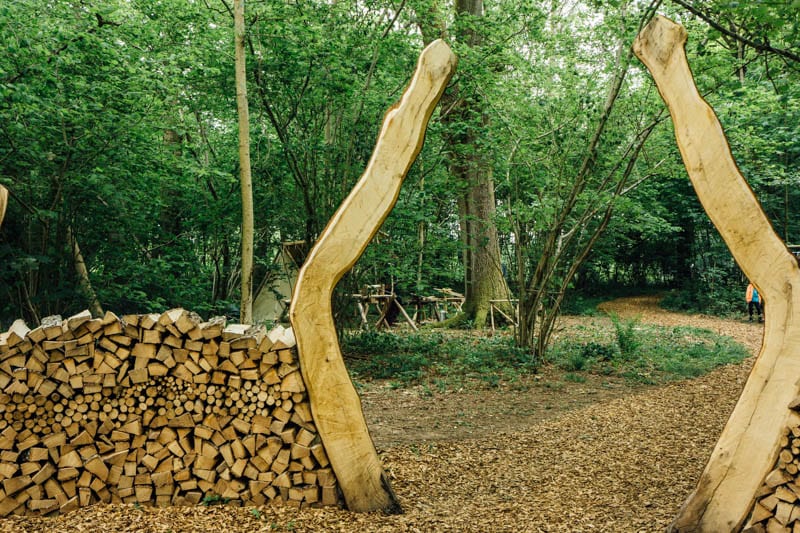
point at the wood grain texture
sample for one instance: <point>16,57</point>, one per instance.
<point>750,442</point>
<point>3,203</point>
<point>334,401</point>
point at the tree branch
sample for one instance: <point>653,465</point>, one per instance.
<point>760,46</point>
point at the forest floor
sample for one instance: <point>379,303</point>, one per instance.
<point>542,454</point>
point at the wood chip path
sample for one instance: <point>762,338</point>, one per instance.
<point>623,464</point>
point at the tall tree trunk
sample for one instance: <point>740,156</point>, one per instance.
<point>83,274</point>
<point>485,281</point>
<point>246,310</point>
<point>483,272</point>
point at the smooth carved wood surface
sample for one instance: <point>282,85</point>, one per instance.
<point>749,444</point>
<point>334,401</point>
<point>3,203</point>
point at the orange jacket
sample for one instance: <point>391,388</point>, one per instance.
<point>749,294</point>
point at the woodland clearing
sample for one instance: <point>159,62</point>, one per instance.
<point>542,455</point>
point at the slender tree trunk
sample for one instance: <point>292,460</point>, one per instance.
<point>421,256</point>
<point>246,310</point>
<point>83,274</point>
<point>544,292</point>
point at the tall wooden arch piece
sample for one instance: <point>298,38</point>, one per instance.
<point>334,402</point>
<point>3,203</point>
<point>750,442</point>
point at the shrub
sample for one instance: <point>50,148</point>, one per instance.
<point>577,304</point>
<point>697,297</point>
<point>626,335</point>
<point>647,354</point>
<point>386,342</point>
<point>575,357</point>
<point>598,352</point>
<point>406,367</point>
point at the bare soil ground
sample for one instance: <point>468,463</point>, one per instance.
<point>539,455</point>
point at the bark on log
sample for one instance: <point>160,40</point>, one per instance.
<point>750,443</point>
<point>82,271</point>
<point>334,401</point>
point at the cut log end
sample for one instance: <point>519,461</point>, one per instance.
<point>148,409</point>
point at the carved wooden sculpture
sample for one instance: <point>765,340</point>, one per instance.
<point>750,442</point>
<point>3,203</point>
<point>334,402</point>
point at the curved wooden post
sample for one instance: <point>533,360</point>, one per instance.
<point>749,444</point>
<point>334,401</point>
<point>3,203</point>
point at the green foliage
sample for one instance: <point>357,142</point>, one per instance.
<point>598,352</point>
<point>117,121</point>
<point>574,362</point>
<point>391,356</point>
<point>627,336</point>
<point>437,358</point>
<point>213,499</point>
<point>719,300</point>
<point>575,378</point>
<point>661,354</point>
<point>368,342</point>
<point>581,305</point>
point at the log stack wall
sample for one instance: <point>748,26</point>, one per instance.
<point>776,508</point>
<point>155,409</point>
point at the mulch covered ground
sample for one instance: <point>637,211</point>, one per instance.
<point>618,464</point>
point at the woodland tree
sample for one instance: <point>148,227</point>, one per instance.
<point>118,134</point>
<point>246,310</point>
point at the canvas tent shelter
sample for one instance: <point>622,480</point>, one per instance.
<point>272,299</point>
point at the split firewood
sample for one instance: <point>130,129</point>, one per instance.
<point>156,409</point>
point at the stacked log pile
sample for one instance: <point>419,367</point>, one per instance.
<point>777,505</point>
<point>162,409</point>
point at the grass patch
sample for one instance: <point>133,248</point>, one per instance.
<point>442,360</point>
<point>582,305</point>
<point>647,354</point>
<point>575,378</point>
<point>446,360</point>
<point>711,299</point>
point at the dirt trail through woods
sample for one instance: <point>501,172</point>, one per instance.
<point>526,457</point>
